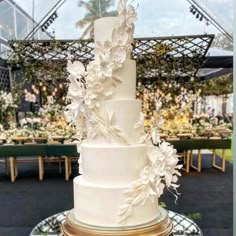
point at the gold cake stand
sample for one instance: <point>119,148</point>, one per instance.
<point>161,226</point>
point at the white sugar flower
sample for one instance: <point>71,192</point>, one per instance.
<point>71,111</point>
<point>76,90</point>
<point>153,153</point>
<point>127,18</point>
<point>147,175</point>
<point>120,37</point>
<point>100,69</point>
<point>103,49</point>
<point>118,56</point>
<point>167,152</point>
<point>159,187</point>
<point>131,16</point>
<point>90,99</point>
<point>76,69</point>
<point>121,6</point>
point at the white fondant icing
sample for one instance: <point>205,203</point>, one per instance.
<point>98,205</point>
<point>113,164</point>
<point>103,28</point>
<point>126,113</point>
<point>126,88</point>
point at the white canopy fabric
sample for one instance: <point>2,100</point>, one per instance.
<point>221,60</point>
<point>219,52</point>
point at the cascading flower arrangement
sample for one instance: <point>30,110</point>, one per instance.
<point>161,172</point>
<point>88,87</point>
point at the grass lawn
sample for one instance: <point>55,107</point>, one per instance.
<point>228,152</point>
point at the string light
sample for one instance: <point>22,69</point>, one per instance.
<point>200,16</point>
<point>49,21</point>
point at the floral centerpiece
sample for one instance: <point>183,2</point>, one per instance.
<point>7,106</point>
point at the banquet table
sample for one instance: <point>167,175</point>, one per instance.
<point>198,144</point>
<point>40,151</point>
<point>11,153</point>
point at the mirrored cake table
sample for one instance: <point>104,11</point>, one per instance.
<point>51,226</point>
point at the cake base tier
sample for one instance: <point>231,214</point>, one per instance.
<point>97,204</point>
<point>161,226</point>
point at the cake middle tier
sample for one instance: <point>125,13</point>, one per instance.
<point>116,122</point>
<point>113,164</point>
<point>126,85</point>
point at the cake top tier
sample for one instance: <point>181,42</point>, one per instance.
<point>104,27</point>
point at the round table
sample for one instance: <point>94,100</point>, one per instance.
<point>51,226</point>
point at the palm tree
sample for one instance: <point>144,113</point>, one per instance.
<point>95,9</point>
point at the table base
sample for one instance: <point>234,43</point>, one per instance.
<point>163,226</point>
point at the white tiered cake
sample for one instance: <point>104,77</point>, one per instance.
<point>123,174</point>
<point>109,167</point>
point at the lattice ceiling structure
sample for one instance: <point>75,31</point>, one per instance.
<point>4,76</point>
<point>160,57</point>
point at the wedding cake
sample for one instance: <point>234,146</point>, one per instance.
<point>122,173</point>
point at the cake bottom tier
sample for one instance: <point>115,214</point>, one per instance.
<point>98,205</point>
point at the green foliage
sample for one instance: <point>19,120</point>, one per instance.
<point>193,216</point>
<point>162,204</point>
<point>41,70</point>
<point>218,86</point>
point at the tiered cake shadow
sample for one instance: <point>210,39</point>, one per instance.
<point>161,226</point>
